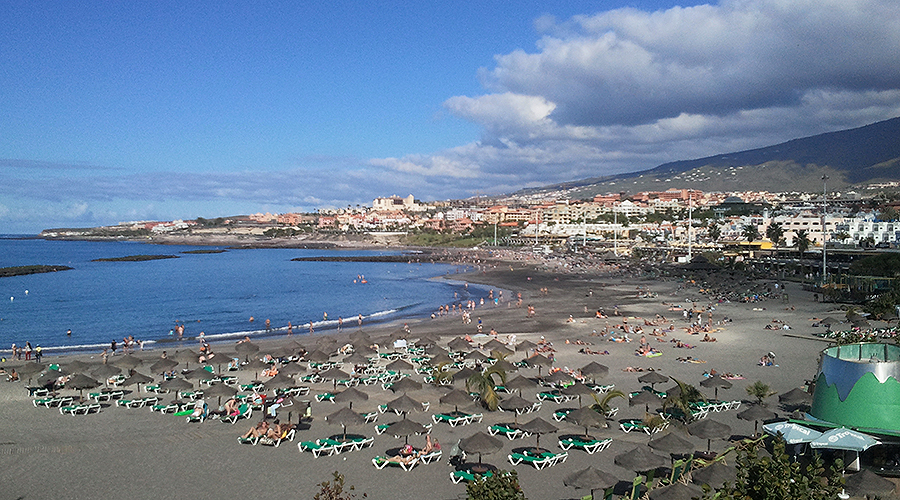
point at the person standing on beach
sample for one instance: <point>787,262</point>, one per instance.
<point>359,320</point>
<point>27,350</point>
<point>340,323</point>
<point>38,353</point>
<point>310,326</point>
<point>290,329</point>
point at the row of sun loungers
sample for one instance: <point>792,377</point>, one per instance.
<point>137,403</point>
<point>457,419</point>
<point>50,402</point>
<point>637,424</point>
<point>329,447</point>
<point>539,462</point>
<point>590,446</point>
<point>82,409</point>
<point>380,462</point>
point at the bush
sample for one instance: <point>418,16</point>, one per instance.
<point>334,489</point>
<point>501,485</point>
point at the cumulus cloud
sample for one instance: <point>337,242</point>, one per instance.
<point>626,89</point>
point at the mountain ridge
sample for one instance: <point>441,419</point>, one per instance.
<point>849,157</point>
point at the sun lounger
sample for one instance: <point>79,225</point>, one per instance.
<point>590,446</point>
<point>317,449</point>
<point>539,462</point>
<point>53,401</point>
<point>510,432</point>
<point>38,391</point>
<point>427,458</point>
<point>245,410</point>
<point>555,396</point>
<point>459,476</point>
<point>370,417</point>
<point>454,419</point>
<point>192,395</point>
<point>268,441</point>
<point>248,440</point>
<point>154,389</point>
<point>82,409</point>
<point>325,397</point>
<point>637,424</point>
<point>165,408</point>
<point>380,462</point>
<point>561,415</point>
<point>602,389</point>
<point>137,403</point>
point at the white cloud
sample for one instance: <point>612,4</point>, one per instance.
<point>627,90</point>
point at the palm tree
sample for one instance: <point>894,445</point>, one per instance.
<point>760,391</point>
<point>714,232</point>
<point>775,233</point>
<point>483,383</point>
<point>802,241</point>
<point>688,394</point>
<point>440,375</point>
<point>750,232</point>
<point>601,403</point>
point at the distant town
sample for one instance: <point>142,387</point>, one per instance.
<point>674,219</point>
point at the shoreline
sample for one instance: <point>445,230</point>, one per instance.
<point>168,447</point>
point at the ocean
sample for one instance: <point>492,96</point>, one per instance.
<point>216,293</point>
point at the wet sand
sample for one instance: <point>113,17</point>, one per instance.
<point>136,453</point>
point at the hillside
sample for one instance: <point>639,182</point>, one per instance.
<point>849,157</point>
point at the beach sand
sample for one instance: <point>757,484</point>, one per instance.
<point>122,453</point>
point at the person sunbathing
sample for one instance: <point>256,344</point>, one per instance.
<point>13,375</point>
<point>278,430</point>
<point>258,430</point>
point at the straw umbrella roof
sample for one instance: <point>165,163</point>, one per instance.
<point>459,344</point>
<point>538,360</point>
<point>440,358</point>
<point>291,369</point>
<point>677,491</point>
<point>653,378</point>
<point>591,479</point>
<point>671,443</point>
<point>476,356</point>
<point>185,356</point>
<point>538,426</point>
<point>640,459</point>
<point>463,374</point>
<point>456,398</point>
<point>279,381</point>
<point>351,395</point>
<point>105,371</point>
<point>709,429</point>
<point>867,482</point>
<point>480,443</point>
<point>399,365</point>
<point>525,345</point>
<point>595,370</point>
<point>586,417</point>
<point>494,344</point>
<point>163,365</point>
<point>128,362</point>
<point>714,475</point>
<point>519,382</point>
<point>31,368</point>
<point>405,404</point>
<point>317,356</point>
<point>794,397</point>
<point>357,358</point>
<point>137,378</point>
<point>345,417</point>
<point>176,384</point>
<point>406,384</point>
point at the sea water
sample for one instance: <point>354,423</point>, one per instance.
<point>213,293</point>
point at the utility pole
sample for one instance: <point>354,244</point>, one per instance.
<point>824,237</point>
<point>690,222</point>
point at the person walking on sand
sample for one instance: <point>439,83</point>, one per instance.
<point>340,323</point>
<point>310,326</point>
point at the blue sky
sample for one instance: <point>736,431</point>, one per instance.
<point>117,111</point>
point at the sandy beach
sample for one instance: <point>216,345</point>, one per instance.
<point>137,453</point>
